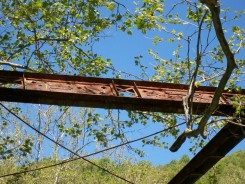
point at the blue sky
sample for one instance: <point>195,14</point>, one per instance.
<point>122,48</point>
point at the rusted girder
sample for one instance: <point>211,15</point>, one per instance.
<point>226,139</point>
<point>106,93</point>
<point>129,95</point>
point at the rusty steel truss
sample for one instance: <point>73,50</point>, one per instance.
<point>129,95</point>
<point>106,93</point>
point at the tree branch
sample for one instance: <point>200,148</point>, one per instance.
<point>52,39</point>
<point>188,99</point>
<point>214,7</point>
<point>13,65</point>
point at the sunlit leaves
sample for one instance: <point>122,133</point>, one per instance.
<point>195,13</point>
<point>147,16</point>
<point>110,6</point>
<point>44,32</point>
<point>156,40</point>
<point>59,37</point>
<point>238,103</point>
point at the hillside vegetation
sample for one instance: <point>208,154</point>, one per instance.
<point>230,170</point>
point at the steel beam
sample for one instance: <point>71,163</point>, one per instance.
<point>226,139</point>
<point>106,93</point>
<point>129,95</point>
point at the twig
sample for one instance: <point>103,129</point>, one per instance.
<point>14,65</point>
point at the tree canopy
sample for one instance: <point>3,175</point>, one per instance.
<point>192,42</point>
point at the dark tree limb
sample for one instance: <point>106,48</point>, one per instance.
<point>214,8</point>
<point>188,99</point>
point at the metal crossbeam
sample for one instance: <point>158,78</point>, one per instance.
<point>106,93</point>
<point>226,139</point>
<point>129,95</point>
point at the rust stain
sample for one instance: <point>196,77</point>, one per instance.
<point>152,96</point>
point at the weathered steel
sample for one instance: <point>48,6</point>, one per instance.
<point>129,95</point>
<point>105,93</point>
<point>226,139</point>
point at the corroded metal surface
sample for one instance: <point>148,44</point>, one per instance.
<point>105,93</point>
<point>129,95</point>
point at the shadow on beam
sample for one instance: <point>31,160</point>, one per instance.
<point>107,93</point>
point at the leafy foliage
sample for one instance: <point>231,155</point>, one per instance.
<point>228,170</point>
<point>51,36</point>
<point>58,36</point>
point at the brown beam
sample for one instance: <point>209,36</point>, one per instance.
<point>106,93</point>
<point>129,95</point>
<point>226,139</point>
